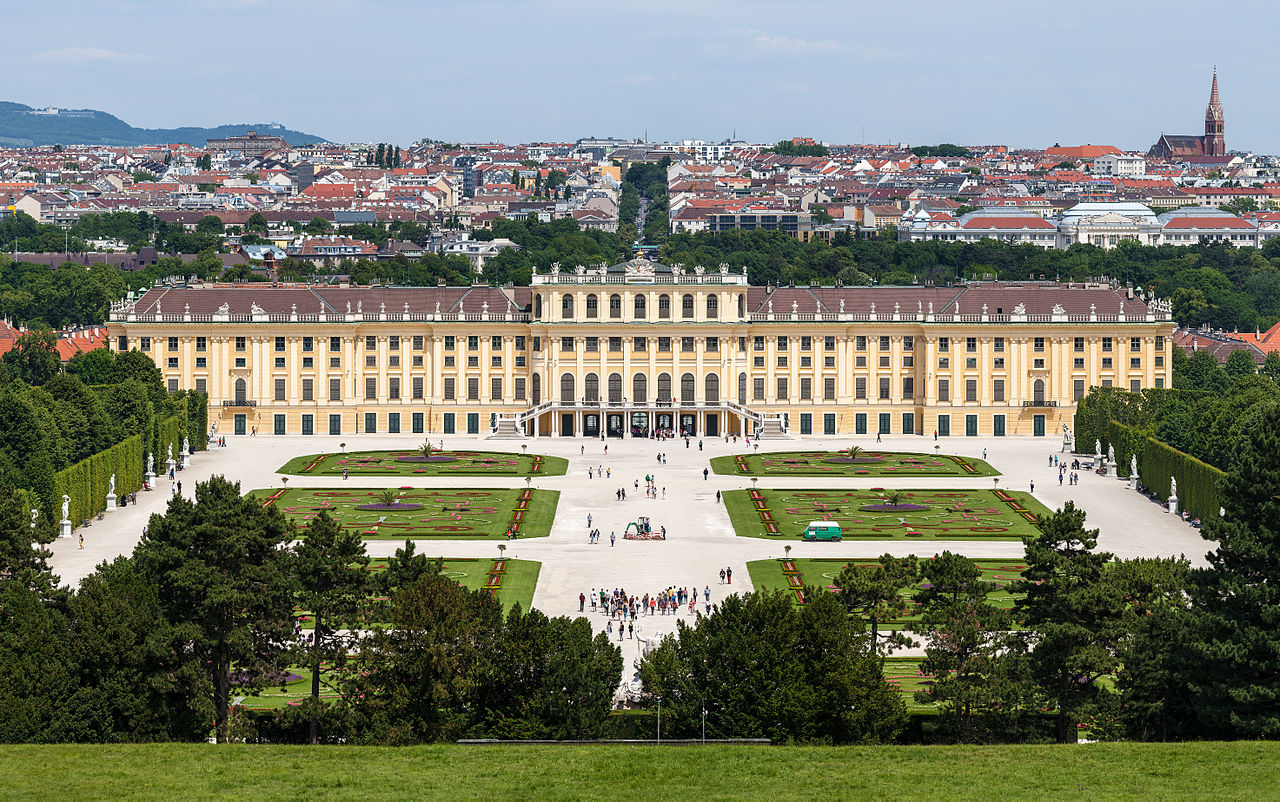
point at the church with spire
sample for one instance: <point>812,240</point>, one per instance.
<point>1213,143</point>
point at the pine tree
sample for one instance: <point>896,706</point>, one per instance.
<point>1235,686</point>
<point>1074,617</point>
<point>334,586</point>
<point>381,157</point>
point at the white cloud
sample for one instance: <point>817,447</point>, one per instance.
<point>789,44</point>
<point>85,55</point>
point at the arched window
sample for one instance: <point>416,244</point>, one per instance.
<point>713,307</point>
<point>615,388</point>
<point>537,306</point>
<point>591,387</point>
<point>686,306</point>
<point>593,306</point>
<point>566,387</point>
<point>640,312</point>
<point>640,388</point>
<point>686,388</point>
<point>566,306</point>
<point>1038,391</point>
<point>615,306</point>
<point>664,306</point>
<point>240,392</point>
<point>537,388</point>
<point>742,305</point>
<point>664,386</point>
<point>742,389</point>
<point>712,391</point>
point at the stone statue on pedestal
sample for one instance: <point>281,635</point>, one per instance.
<point>66,507</point>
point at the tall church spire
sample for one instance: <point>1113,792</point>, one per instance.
<point>1215,143</point>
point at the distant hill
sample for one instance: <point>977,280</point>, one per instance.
<point>22,125</point>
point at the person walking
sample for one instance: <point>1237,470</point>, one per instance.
<point>593,600</point>
<point>704,474</point>
<point>631,629</point>
<point>721,576</point>
<point>728,575</point>
<point>588,519</point>
<point>582,602</point>
<point>717,496</point>
<point>613,538</point>
<point>1033,485</point>
<point>82,541</point>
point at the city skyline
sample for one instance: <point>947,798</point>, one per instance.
<point>392,71</point>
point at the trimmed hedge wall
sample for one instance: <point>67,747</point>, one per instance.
<point>1157,463</point>
<point>1197,481</point>
<point>88,481</point>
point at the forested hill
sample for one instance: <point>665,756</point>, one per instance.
<point>19,127</point>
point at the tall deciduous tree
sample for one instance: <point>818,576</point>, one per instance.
<point>226,586</point>
<point>1235,689</point>
<point>333,588</point>
<point>762,667</point>
<point>1074,617</point>
<point>34,357</point>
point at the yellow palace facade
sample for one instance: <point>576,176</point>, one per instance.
<point>640,347</point>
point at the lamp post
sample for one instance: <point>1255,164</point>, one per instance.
<point>995,482</point>
<point>502,550</point>
<point>659,720</point>
<point>704,722</point>
<point>787,550</point>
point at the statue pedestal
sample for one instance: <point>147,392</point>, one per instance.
<point>111,502</point>
<point>64,528</point>
<point>169,465</point>
<point>1133,482</point>
<point>150,479</point>
<point>1173,504</point>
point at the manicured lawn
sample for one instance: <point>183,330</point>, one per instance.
<point>423,513</point>
<point>1196,770</point>
<point>408,463</point>
<point>836,463</point>
<point>792,575</point>
<point>943,514</point>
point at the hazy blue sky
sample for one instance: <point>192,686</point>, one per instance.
<point>921,72</point>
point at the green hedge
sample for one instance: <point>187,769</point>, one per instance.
<point>88,481</point>
<point>1197,481</point>
<point>1157,463</point>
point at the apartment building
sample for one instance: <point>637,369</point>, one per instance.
<point>630,349</point>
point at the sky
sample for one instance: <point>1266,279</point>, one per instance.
<point>920,72</point>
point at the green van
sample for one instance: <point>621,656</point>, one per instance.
<point>822,530</point>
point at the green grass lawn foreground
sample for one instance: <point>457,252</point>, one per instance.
<point>409,463</point>
<point>922,514</point>
<point>791,575</point>
<point>422,513</point>
<point>198,771</point>
<point>837,463</point>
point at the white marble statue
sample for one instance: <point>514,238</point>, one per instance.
<point>186,445</point>
<point>1111,454</point>
<point>111,490</point>
<point>1173,487</point>
<point>151,463</point>
<point>1097,447</point>
<point>170,452</point>
<point>66,507</point>
<point>1133,465</point>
